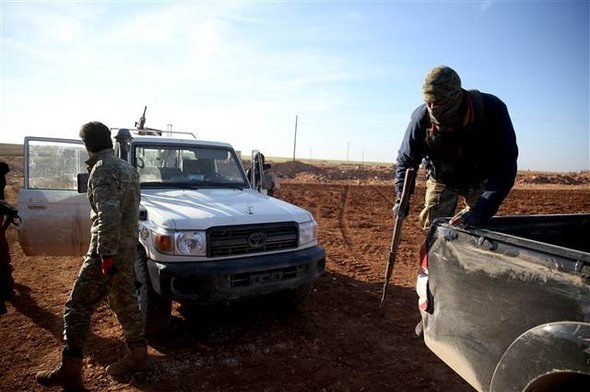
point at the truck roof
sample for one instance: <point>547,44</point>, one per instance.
<point>177,141</point>
<point>177,138</point>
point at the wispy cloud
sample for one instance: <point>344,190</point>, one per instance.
<point>486,5</point>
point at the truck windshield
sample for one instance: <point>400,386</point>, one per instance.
<point>188,166</point>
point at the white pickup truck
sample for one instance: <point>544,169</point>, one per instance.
<point>206,235</point>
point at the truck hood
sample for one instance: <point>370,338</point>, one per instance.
<point>201,209</point>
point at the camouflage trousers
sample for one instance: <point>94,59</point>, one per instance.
<point>441,200</point>
<point>92,287</point>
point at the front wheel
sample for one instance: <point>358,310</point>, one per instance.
<point>155,309</point>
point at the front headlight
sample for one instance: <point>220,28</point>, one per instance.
<point>308,232</point>
<point>193,243</point>
<point>184,243</point>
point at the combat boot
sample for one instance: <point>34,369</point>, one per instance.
<point>68,375</point>
<point>135,359</point>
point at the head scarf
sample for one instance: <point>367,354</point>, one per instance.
<point>443,94</point>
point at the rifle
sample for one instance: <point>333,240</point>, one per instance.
<point>397,227</point>
<point>11,214</point>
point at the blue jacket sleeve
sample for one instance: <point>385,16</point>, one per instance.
<point>502,161</point>
<point>412,149</point>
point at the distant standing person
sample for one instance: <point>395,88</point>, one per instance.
<point>467,143</point>
<point>269,182</point>
<point>108,267</point>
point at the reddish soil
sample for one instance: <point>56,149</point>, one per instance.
<point>338,340</point>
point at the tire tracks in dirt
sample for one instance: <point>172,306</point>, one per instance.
<point>360,260</point>
<point>387,198</point>
<point>354,263</point>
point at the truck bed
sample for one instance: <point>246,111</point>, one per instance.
<point>557,237</point>
<point>566,231</point>
<point>494,287</point>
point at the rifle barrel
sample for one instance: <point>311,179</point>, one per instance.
<point>397,228</point>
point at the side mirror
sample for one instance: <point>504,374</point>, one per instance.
<point>82,182</point>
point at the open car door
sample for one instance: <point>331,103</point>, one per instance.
<point>55,217</point>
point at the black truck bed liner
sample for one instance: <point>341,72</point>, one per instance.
<point>567,231</point>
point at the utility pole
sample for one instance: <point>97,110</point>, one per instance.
<point>295,140</point>
<point>347,151</point>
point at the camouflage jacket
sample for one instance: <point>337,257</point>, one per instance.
<point>113,193</point>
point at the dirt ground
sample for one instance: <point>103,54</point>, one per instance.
<point>338,340</point>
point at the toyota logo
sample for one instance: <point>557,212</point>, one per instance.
<point>257,240</point>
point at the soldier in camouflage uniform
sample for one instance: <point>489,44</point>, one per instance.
<point>467,143</point>
<point>108,268</point>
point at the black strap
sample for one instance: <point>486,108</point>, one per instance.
<point>478,107</point>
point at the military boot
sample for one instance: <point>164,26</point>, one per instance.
<point>135,359</point>
<point>68,375</point>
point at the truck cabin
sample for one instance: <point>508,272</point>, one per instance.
<point>167,160</point>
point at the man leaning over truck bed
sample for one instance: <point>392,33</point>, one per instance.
<point>467,143</point>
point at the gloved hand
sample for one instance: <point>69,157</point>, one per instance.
<point>466,219</point>
<point>396,209</point>
<point>108,266</point>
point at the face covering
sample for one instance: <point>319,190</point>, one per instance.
<point>446,113</point>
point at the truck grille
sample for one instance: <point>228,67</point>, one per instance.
<point>239,240</point>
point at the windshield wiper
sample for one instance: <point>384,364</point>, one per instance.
<point>181,185</point>
<point>225,185</point>
<point>192,185</point>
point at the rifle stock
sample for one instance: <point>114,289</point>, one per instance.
<point>397,228</point>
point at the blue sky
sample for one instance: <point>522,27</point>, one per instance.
<point>241,71</point>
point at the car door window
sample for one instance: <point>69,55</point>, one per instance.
<point>54,165</point>
<point>49,201</point>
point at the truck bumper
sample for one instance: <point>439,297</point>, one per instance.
<point>227,280</point>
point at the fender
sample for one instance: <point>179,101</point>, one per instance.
<point>548,349</point>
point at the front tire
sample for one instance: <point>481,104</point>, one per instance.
<point>155,309</point>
